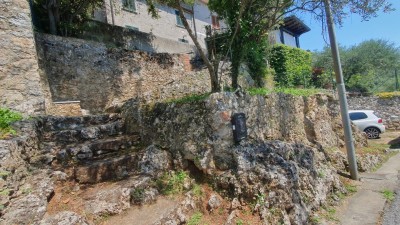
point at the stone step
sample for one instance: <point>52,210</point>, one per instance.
<point>112,168</point>
<point>91,149</point>
<point>84,133</point>
<point>54,123</point>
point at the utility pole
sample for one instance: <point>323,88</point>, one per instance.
<point>397,79</point>
<point>351,155</point>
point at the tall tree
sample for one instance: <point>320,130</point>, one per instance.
<point>250,20</point>
<point>367,67</point>
<point>64,15</point>
<point>212,63</point>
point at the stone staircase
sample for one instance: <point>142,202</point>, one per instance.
<point>91,149</point>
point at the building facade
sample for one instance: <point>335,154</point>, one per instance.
<point>133,14</point>
<point>289,33</point>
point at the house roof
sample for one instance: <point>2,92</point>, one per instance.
<point>295,25</point>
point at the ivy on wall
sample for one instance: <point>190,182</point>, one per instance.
<point>292,66</point>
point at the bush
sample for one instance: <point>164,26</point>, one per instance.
<point>388,94</point>
<point>7,117</point>
<point>292,66</point>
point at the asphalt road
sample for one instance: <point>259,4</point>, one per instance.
<point>391,215</point>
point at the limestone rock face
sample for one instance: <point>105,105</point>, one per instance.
<point>202,131</point>
<point>64,218</point>
<point>109,202</point>
<point>213,203</point>
<point>154,161</point>
<point>292,178</point>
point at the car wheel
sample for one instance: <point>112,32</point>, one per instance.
<point>372,132</point>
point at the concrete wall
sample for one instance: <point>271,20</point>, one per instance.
<point>20,83</point>
<point>165,27</point>
<point>101,77</point>
<point>387,109</point>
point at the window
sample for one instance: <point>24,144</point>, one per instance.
<point>358,116</point>
<point>129,5</point>
<point>179,22</point>
<point>215,22</point>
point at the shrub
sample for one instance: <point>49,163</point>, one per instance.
<point>292,66</point>
<point>388,94</point>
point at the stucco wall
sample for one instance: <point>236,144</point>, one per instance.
<point>101,77</point>
<point>165,26</point>
<point>115,36</point>
<point>387,109</point>
<point>20,83</point>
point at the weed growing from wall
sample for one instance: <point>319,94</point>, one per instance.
<point>7,117</point>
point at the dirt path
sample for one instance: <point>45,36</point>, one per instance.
<point>144,215</point>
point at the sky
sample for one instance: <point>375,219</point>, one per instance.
<point>354,31</point>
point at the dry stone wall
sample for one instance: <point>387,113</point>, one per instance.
<point>103,78</point>
<point>202,131</point>
<point>20,83</point>
<point>387,108</point>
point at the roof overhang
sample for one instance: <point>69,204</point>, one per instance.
<point>295,25</point>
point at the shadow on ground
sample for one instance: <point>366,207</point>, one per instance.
<point>395,143</point>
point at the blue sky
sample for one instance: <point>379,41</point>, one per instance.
<point>386,26</point>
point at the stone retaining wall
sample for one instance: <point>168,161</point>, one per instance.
<point>202,131</point>
<point>103,78</point>
<point>388,109</point>
<point>20,83</point>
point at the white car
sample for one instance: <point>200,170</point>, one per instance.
<point>368,122</point>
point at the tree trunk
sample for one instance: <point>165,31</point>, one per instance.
<point>54,16</point>
<point>237,49</point>
<point>52,21</point>
<point>215,86</point>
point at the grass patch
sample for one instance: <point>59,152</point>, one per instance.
<point>239,222</point>
<point>291,91</point>
<point>189,98</point>
<point>195,219</point>
<point>315,220</point>
<point>350,188</point>
<point>7,117</point>
<point>4,174</point>
<point>300,92</point>
<point>388,195</point>
<point>197,191</point>
<point>321,174</point>
<point>172,183</point>
<point>374,148</point>
<point>329,214</point>
<point>5,192</point>
<point>258,91</point>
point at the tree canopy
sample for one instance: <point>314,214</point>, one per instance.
<point>249,22</point>
<point>367,67</point>
<point>63,16</point>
